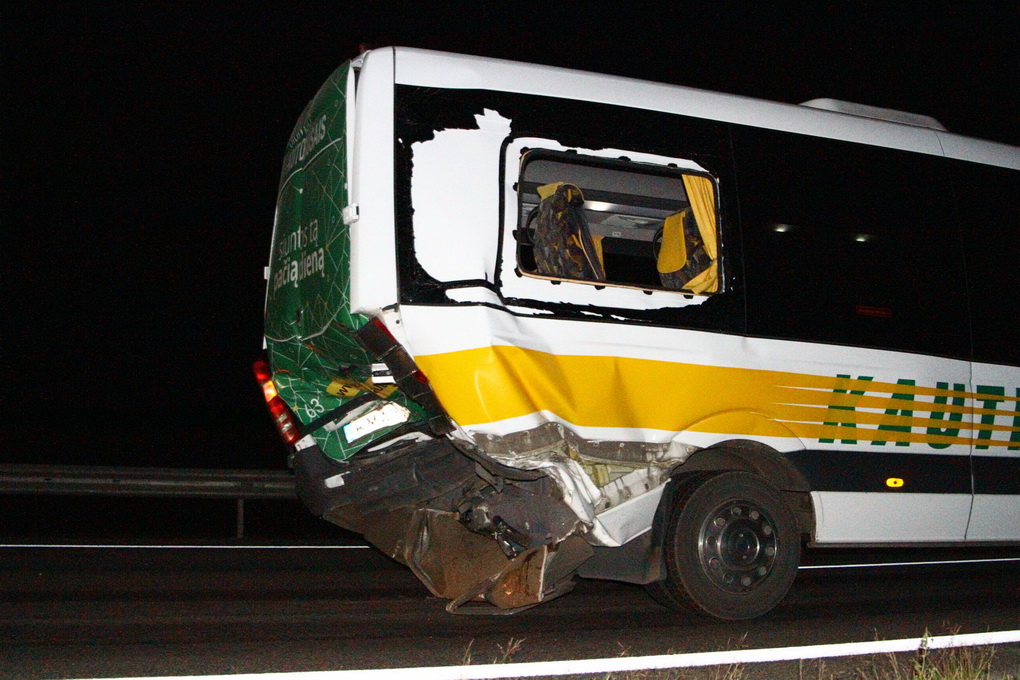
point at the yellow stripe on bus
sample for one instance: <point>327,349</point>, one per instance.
<point>491,384</point>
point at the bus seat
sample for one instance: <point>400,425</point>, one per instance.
<point>682,254</point>
<point>563,245</point>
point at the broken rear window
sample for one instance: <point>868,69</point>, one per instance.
<point>616,222</point>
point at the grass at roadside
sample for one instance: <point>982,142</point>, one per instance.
<point>958,663</point>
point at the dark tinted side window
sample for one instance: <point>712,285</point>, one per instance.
<point>989,205</point>
<point>849,244</point>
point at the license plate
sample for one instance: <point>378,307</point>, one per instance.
<point>378,418</point>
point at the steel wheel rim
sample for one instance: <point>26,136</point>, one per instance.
<point>737,545</point>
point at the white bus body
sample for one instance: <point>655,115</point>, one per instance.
<point>798,324</point>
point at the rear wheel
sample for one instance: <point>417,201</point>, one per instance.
<point>731,547</point>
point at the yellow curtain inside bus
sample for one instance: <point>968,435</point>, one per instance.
<point>701,196</point>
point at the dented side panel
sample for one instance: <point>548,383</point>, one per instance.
<point>607,388</point>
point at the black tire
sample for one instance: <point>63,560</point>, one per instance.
<point>731,548</point>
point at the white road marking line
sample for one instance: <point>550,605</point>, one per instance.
<point>911,564</point>
<point>637,663</point>
<point>116,546</point>
<point>111,546</point>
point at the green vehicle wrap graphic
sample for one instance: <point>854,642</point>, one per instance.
<point>317,363</point>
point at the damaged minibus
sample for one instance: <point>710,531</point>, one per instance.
<point>525,324</point>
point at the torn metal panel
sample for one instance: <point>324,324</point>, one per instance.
<point>520,516</point>
<point>550,436</point>
<point>462,566</point>
<point>470,527</point>
<point>631,518</point>
<point>595,478</point>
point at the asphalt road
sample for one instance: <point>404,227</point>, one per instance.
<point>72,612</point>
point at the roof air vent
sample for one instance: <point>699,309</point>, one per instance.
<point>865,111</point>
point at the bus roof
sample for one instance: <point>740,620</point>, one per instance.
<point>898,130</point>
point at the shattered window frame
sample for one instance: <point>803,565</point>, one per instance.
<point>626,206</point>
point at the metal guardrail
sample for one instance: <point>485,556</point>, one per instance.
<point>158,482</point>
<point>139,481</point>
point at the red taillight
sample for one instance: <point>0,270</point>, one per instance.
<point>286,425</point>
<point>284,419</point>
<point>269,390</point>
<point>262,371</point>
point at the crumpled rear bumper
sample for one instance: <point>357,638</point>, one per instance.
<point>471,536</point>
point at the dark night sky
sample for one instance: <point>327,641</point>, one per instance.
<point>142,168</point>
